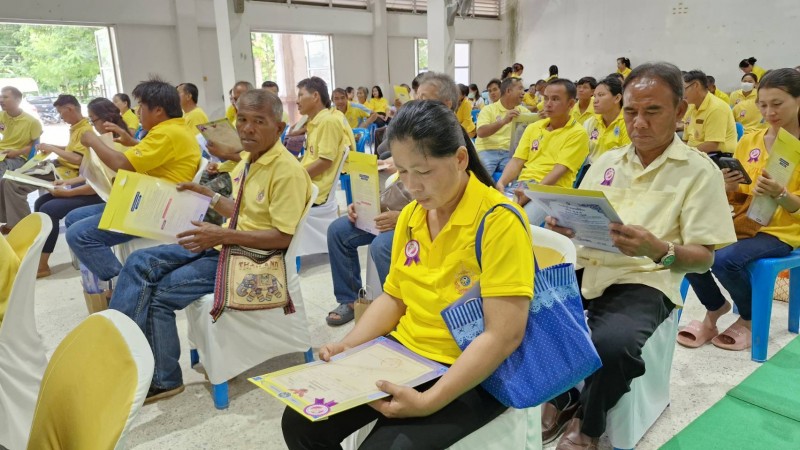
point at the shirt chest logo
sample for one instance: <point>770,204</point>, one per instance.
<point>2,127</point>
<point>616,131</point>
<point>755,154</point>
<point>463,280</point>
<point>260,196</point>
<point>742,113</point>
<point>608,177</point>
<point>595,134</point>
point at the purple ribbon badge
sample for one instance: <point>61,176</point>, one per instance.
<point>742,114</point>
<point>535,145</point>
<point>412,252</point>
<point>595,135</point>
<point>608,177</point>
<point>754,155</point>
<point>319,408</point>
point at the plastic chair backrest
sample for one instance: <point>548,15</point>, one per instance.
<point>332,194</point>
<point>362,135</point>
<point>283,135</point>
<point>201,168</point>
<point>291,251</point>
<point>739,131</point>
<point>543,237</point>
<point>32,153</point>
<point>475,113</point>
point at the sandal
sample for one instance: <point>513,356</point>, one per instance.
<point>742,338</point>
<point>696,334</point>
<point>345,313</point>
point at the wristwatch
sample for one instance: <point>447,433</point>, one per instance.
<point>784,193</point>
<point>215,200</point>
<point>669,258</point>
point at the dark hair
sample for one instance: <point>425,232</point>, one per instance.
<point>506,73</point>
<point>316,84</point>
<point>107,111</point>
<point>625,61</point>
<point>14,91</point>
<point>747,62</point>
<point>711,80</point>
<point>415,81</point>
<point>464,89</point>
<point>614,86</point>
<point>553,70</point>
<point>66,99</point>
<point>473,87</point>
<point>124,97</point>
<point>349,89</point>
<point>591,81</point>
<point>435,131</point>
<point>751,74</point>
<point>380,91</point>
<point>540,82</point>
<point>517,67</point>
<point>572,90</point>
<point>271,84</point>
<point>696,75</point>
<point>617,75</point>
<point>507,84</point>
<point>190,89</point>
<point>787,80</point>
<point>664,71</point>
<point>156,93</point>
<point>493,81</point>
<point>408,88</point>
<point>339,91</point>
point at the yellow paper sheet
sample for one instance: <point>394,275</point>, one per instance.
<point>401,93</point>
<point>365,187</point>
<point>783,160</point>
<point>27,179</point>
<point>97,174</point>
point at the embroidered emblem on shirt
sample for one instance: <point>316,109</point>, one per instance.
<point>463,281</point>
<point>260,196</point>
<point>2,127</point>
<point>616,130</point>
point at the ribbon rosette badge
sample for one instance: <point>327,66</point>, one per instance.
<point>319,408</point>
<point>754,155</point>
<point>412,252</point>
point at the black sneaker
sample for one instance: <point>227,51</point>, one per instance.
<point>155,394</point>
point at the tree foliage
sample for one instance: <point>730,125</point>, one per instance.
<point>264,55</point>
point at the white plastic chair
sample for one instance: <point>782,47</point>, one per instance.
<point>240,340</point>
<point>100,373</point>
<point>23,358</point>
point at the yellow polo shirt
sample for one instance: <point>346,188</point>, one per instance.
<point>586,115</point>
<point>168,151</point>
<point>464,115</point>
<point>712,122</point>
<point>722,96</point>
<point>348,131</point>
<point>680,198</point>
<point>759,71</point>
<point>130,119</point>
<point>194,118</point>
<point>230,114</point>
<point>747,113</point>
<point>542,150</point>
<point>448,267</point>
<point>739,95</point>
<point>752,153</point>
<point>603,138</point>
<point>529,100</point>
<point>325,138</point>
<point>625,72</point>
<point>65,169</point>
<point>276,191</point>
<point>491,113</point>
<point>354,116</point>
<point>9,266</point>
<point>19,131</point>
<point>379,105</point>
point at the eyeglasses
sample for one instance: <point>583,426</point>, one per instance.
<point>686,87</point>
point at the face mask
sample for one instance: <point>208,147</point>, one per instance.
<point>747,87</point>
<point>471,96</point>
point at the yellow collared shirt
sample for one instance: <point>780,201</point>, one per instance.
<point>529,100</point>
<point>325,138</point>
<point>747,113</point>
<point>680,198</point>
<point>64,168</point>
<point>448,267</point>
<point>130,119</point>
<point>194,118</point>
<point>355,115</point>
<point>739,95</point>
<point>722,96</point>
<point>582,117</point>
<point>625,72</point>
<point>712,122</point>
<point>542,150</point>
<point>19,131</point>
<point>379,105</point>
<point>9,265</point>
<point>464,115</point>
<point>603,138</point>
<point>492,113</point>
<point>168,152</point>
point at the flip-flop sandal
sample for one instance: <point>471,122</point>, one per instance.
<point>741,336</point>
<point>345,313</point>
<point>696,334</point>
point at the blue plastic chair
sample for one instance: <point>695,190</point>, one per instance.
<point>371,137</point>
<point>763,273</point>
<point>739,131</point>
<point>475,113</point>
<point>283,135</point>
<point>32,153</point>
<point>362,135</point>
<point>344,179</point>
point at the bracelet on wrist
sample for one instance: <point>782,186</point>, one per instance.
<point>784,193</point>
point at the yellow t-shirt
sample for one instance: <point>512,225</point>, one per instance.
<point>679,197</point>
<point>230,114</point>
<point>65,169</point>
<point>276,191</point>
<point>354,115</point>
<point>542,150</point>
<point>625,72</point>
<point>131,120</point>
<point>747,113</point>
<point>586,115</point>
<point>448,267</point>
<point>722,96</point>
<point>325,138</point>
<point>19,131</point>
<point>739,95</point>
<point>603,138</point>
<point>464,116</point>
<point>194,118</point>
<point>752,153</point>
<point>168,151</point>
<point>712,122</point>
<point>491,113</point>
<point>9,266</point>
<point>379,105</point>
<point>530,100</point>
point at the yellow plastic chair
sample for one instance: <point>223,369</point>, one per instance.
<point>94,386</point>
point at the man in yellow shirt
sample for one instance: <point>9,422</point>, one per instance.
<point>494,126</point>
<point>326,139</point>
<point>157,281</point>
<point>584,107</point>
<point>19,130</point>
<point>530,99</point>
<point>238,89</point>
<point>711,126</point>
<point>673,204</point>
<point>551,151</point>
<point>193,115</point>
<point>356,117</point>
<point>464,111</point>
<point>168,152</point>
<point>712,87</point>
<point>14,195</point>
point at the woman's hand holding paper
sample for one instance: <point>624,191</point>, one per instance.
<point>331,349</point>
<point>766,185</point>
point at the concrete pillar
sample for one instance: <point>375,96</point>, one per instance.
<point>235,49</point>
<point>189,46</point>
<point>380,46</point>
<point>441,38</point>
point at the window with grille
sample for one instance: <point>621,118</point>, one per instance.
<point>480,8</point>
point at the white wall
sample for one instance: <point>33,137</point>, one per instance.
<point>585,39</point>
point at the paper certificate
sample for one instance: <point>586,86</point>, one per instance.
<point>97,174</point>
<point>364,185</point>
<point>586,212</point>
<point>141,205</point>
<point>27,179</point>
<point>221,132</point>
<point>318,390</point>
<point>401,93</point>
<point>783,160</point>
<point>518,126</point>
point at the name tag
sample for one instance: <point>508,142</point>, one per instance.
<point>699,121</point>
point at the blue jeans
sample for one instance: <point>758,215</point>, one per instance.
<point>494,160</point>
<point>155,283</point>
<point>343,242</point>
<point>730,268</point>
<point>91,245</point>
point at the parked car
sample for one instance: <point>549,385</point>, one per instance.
<point>44,106</point>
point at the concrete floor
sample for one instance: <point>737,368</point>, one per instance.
<point>699,377</point>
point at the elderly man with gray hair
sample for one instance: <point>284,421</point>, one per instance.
<point>494,126</point>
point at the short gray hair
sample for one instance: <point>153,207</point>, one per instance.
<point>445,87</point>
<point>261,98</point>
<point>664,71</point>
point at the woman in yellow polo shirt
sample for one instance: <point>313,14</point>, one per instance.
<point>123,102</point>
<point>748,65</point>
<point>433,264</point>
<point>606,129</point>
<point>745,109</point>
<point>747,90</point>
<point>623,66</point>
<point>779,100</point>
<point>377,103</point>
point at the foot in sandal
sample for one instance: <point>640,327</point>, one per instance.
<point>697,333</point>
<point>736,338</point>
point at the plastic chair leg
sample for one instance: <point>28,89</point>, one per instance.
<point>297,261</point>
<point>763,286</point>
<point>221,395</point>
<point>194,357</point>
<point>794,300</point>
<point>309,355</point>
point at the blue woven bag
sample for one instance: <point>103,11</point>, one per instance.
<point>556,352</point>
